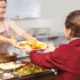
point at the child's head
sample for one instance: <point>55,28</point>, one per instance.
<point>72,25</point>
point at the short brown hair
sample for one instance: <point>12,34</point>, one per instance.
<point>73,22</point>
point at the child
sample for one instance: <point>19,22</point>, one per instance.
<point>65,58</point>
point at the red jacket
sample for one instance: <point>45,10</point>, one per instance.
<point>66,58</point>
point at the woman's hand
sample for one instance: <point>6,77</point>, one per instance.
<point>27,49</point>
<point>29,38</point>
<point>13,42</point>
<point>48,49</point>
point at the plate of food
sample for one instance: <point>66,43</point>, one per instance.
<point>36,46</point>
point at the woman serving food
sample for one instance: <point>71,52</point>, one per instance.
<point>6,26</point>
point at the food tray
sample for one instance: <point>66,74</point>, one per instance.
<point>48,75</point>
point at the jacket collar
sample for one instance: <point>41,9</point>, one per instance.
<point>75,41</point>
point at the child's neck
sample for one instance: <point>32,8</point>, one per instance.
<point>74,38</point>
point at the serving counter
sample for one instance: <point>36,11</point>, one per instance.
<point>40,75</point>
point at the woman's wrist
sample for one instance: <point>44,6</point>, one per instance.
<point>10,41</point>
<point>7,40</point>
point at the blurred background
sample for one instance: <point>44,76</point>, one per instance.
<point>44,19</point>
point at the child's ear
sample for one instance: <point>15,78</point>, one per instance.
<point>69,32</point>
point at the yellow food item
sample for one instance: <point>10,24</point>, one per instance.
<point>32,41</point>
<point>30,69</point>
<point>41,45</point>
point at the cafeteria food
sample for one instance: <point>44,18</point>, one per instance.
<point>1,71</point>
<point>30,69</point>
<point>35,46</point>
<point>5,57</point>
<point>8,75</point>
<point>9,65</point>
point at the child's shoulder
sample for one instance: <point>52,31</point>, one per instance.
<point>66,46</point>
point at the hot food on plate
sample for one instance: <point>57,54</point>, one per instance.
<point>38,45</point>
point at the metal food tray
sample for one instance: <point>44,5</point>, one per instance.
<point>48,75</point>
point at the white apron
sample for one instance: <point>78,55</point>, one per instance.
<point>3,46</point>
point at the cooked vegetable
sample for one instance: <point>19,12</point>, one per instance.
<point>30,69</point>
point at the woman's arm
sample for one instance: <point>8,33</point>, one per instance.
<point>21,32</point>
<point>8,41</point>
<point>28,37</point>
<point>4,39</point>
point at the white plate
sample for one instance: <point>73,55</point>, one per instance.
<point>25,44</point>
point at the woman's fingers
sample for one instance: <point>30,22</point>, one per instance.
<point>26,49</point>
